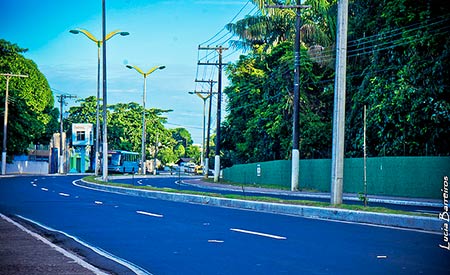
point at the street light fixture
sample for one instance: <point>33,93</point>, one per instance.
<point>99,44</point>
<point>143,111</point>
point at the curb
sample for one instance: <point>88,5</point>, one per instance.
<point>395,220</point>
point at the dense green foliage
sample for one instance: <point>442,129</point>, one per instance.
<point>125,130</point>
<point>398,65</point>
<point>397,56</point>
<point>32,116</point>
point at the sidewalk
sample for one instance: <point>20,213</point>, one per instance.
<point>25,252</point>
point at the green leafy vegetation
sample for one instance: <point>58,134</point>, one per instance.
<point>32,116</point>
<point>125,130</point>
<point>396,55</point>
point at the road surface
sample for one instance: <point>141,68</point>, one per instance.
<point>164,237</point>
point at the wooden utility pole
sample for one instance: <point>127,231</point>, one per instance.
<point>219,50</point>
<point>62,101</point>
<point>295,120</point>
<point>5,119</point>
<point>205,157</point>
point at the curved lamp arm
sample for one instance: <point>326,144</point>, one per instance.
<point>142,72</point>
<point>93,38</point>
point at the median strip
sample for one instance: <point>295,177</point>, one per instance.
<point>297,208</point>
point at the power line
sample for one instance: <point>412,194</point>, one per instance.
<point>223,29</point>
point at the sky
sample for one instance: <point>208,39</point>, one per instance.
<point>162,32</point>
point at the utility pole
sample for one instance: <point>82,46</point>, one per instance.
<point>337,158</point>
<point>206,152</point>
<point>365,155</point>
<point>62,101</point>
<point>219,50</point>
<point>5,119</point>
<point>295,120</point>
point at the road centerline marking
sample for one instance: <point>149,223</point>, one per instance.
<point>149,214</point>
<point>258,234</point>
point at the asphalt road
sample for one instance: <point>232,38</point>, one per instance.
<point>165,237</point>
<point>173,182</point>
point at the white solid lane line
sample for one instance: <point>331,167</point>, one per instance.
<point>149,214</point>
<point>258,234</point>
<point>64,194</point>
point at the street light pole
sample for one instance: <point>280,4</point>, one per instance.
<point>204,98</point>
<point>144,96</point>
<point>5,120</point>
<point>97,114</point>
<point>105,101</point>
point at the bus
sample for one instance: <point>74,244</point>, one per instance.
<point>120,161</point>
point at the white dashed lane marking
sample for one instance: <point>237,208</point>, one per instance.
<point>149,214</point>
<point>258,234</point>
<point>64,194</point>
<point>215,241</point>
<point>44,189</point>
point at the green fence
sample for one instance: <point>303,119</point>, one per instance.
<point>416,177</point>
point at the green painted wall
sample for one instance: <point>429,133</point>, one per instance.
<point>418,177</point>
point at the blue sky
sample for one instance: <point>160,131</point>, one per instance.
<point>162,32</point>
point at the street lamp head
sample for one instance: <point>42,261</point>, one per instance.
<point>129,66</point>
<point>74,31</point>
<point>162,67</point>
<point>124,33</point>
<point>191,93</point>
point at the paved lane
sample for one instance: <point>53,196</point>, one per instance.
<point>174,238</point>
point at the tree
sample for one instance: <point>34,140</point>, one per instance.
<point>399,51</point>
<point>125,125</point>
<point>30,101</point>
<point>260,98</point>
<point>125,130</point>
<point>396,55</point>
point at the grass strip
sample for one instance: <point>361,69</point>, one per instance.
<point>362,208</point>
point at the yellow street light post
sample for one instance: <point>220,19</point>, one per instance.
<point>204,98</point>
<point>99,44</point>
<point>143,167</point>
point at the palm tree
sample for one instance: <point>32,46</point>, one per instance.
<point>271,26</point>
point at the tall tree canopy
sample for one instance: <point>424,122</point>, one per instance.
<point>32,116</point>
<point>397,51</point>
<point>397,65</point>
